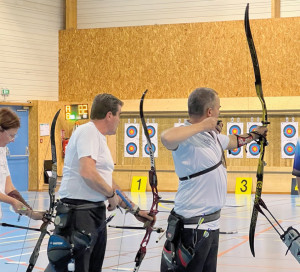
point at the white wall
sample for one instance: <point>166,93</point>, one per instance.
<point>117,13</point>
<point>290,8</point>
<point>29,32</point>
<point>29,48</point>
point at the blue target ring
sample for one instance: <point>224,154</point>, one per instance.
<point>254,149</point>
<point>131,148</point>
<point>235,130</point>
<point>252,128</point>
<point>151,131</point>
<point>289,149</point>
<point>289,131</point>
<point>235,151</point>
<point>147,149</point>
<point>131,131</point>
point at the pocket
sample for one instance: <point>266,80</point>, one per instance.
<point>175,225</point>
<point>59,250</point>
<point>63,216</point>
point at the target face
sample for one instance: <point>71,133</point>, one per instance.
<point>235,151</point>
<point>131,131</point>
<point>147,149</point>
<point>289,149</point>
<point>252,128</point>
<point>235,130</point>
<point>289,131</point>
<point>131,148</point>
<point>151,131</point>
<point>254,149</point>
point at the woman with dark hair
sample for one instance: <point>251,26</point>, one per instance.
<point>9,125</point>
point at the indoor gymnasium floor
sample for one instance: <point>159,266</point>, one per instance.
<point>234,252</point>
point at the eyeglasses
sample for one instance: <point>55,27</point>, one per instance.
<point>11,137</point>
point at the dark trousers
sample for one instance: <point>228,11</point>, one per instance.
<point>205,259</point>
<point>87,221</point>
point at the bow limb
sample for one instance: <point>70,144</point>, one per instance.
<point>153,183</point>
<point>52,185</point>
<point>262,140</point>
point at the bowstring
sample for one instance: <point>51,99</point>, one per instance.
<point>130,178</point>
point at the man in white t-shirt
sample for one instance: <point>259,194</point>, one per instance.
<point>87,182</point>
<point>197,149</point>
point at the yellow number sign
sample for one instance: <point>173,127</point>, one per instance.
<point>138,184</point>
<point>243,186</point>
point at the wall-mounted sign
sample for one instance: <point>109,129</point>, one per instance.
<point>77,112</point>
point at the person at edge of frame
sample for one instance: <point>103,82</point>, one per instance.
<point>87,181</point>
<point>296,166</point>
<point>9,126</point>
<point>198,155</point>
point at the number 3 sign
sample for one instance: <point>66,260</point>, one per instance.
<point>243,186</point>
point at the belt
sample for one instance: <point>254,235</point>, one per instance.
<point>207,218</point>
<point>78,204</point>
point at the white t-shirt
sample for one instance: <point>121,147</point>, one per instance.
<point>206,193</point>
<point>85,141</point>
<point>4,172</point>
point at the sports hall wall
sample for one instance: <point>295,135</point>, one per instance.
<point>172,60</point>
<point>166,112</point>
<point>42,112</point>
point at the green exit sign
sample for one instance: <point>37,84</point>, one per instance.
<point>5,91</point>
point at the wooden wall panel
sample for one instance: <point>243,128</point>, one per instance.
<point>166,113</point>
<point>42,112</point>
<point>277,177</point>
<point>171,60</point>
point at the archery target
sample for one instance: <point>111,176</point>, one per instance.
<point>235,128</point>
<point>147,149</point>
<point>236,151</point>
<point>289,131</point>
<point>131,140</point>
<point>253,147</point>
<point>289,136</point>
<point>131,148</point>
<point>131,131</point>
<point>252,127</point>
<point>152,130</point>
<point>289,149</point>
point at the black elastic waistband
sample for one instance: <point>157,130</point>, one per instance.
<point>80,204</point>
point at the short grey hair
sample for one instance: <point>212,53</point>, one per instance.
<point>200,100</point>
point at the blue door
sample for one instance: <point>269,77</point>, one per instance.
<point>17,151</point>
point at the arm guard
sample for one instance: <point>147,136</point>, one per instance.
<point>243,140</point>
<point>16,195</point>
